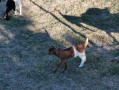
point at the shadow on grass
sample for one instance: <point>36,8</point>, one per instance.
<point>40,7</point>
<point>23,53</point>
<point>99,18</point>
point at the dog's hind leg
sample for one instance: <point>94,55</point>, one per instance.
<point>65,63</point>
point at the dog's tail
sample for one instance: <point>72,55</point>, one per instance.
<point>86,43</point>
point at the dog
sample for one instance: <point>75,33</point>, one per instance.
<point>65,54</point>
<point>18,3</point>
<point>12,5</point>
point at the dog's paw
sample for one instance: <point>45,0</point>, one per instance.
<point>81,65</point>
<point>20,14</point>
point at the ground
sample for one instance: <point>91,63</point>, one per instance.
<point>24,43</point>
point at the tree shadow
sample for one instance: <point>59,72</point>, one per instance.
<point>99,18</point>
<point>57,18</point>
<point>96,17</point>
<point>20,50</point>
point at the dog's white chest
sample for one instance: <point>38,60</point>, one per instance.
<point>76,53</point>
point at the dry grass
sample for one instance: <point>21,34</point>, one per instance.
<point>24,41</point>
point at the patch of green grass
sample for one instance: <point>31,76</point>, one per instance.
<point>30,14</point>
<point>83,0</point>
<point>110,71</point>
<point>48,2</point>
<point>114,8</point>
<point>115,70</point>
<point>117,53</point>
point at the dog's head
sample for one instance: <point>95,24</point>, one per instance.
<point>53,50</point>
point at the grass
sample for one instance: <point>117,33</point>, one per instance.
<point>24,43</point>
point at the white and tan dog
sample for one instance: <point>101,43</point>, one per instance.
<point>65,54</point>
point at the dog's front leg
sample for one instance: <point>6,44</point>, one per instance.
<point>65,65</point>
<point>55,70</point>
<point>20,9</point>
